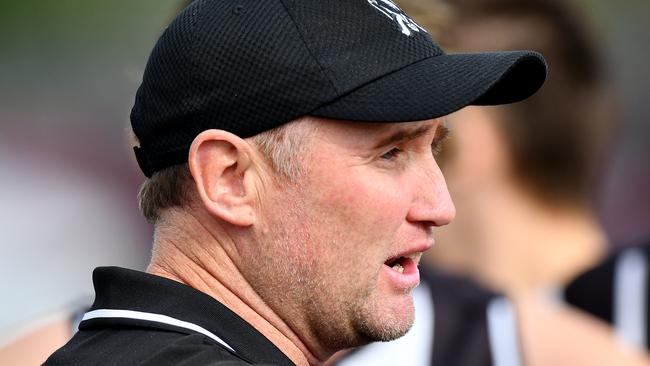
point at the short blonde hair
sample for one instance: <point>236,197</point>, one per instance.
<point>281,147</point>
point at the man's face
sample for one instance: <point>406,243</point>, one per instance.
<point>338,249</point>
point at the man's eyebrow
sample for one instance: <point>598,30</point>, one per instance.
<point>404,135</point>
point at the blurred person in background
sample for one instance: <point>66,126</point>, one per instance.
<point>527,192</point>
<point>529,189</point>
<point>530,193</point>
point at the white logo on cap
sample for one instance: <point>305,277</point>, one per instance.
<point>392,11</point>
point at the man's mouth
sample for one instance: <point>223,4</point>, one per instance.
<point>399,264</point>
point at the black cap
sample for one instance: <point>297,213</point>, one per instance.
<point>247,66</point>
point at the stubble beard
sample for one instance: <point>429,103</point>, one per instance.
<point>377,325</point>
<point>358,317</point>
<point>338,313</point>
<point>348,316</point>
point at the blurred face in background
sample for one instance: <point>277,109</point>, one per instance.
<point>474,161</point>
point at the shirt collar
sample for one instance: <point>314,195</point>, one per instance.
<point>125,295</point>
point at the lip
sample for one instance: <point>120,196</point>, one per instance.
<point>419,248</point>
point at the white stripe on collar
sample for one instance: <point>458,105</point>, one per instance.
<point>158,318</point>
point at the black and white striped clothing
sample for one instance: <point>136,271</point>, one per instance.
<point>616,291</point>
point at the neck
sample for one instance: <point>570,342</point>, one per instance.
<point>188,252</point>
<point>525,245</point>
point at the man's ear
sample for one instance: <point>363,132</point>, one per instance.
<point>222,168</point>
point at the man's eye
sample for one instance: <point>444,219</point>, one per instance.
<point>392,154</point>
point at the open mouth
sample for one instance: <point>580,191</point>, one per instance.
<point>397,264</point>
<point>400,264</point>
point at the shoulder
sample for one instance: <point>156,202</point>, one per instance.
<point>142,347</point>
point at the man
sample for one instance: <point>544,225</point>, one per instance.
<point>292,184</point>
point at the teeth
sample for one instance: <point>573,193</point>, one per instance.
<point>415,257</point>
<point>398,268</point>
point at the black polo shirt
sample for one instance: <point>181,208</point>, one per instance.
<point>141,319</point>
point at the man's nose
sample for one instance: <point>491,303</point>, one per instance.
<point>432,203</point>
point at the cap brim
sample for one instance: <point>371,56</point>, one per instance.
<point>440,85</point>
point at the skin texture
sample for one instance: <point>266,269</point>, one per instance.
<point>303,261</point>
<point>355,208</point>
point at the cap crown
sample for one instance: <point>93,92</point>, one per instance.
<point>247,66</point>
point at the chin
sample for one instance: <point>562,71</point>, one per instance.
<point>391,323</point>
<point>387,332</point>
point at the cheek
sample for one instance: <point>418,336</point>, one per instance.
<point>374,207</point>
